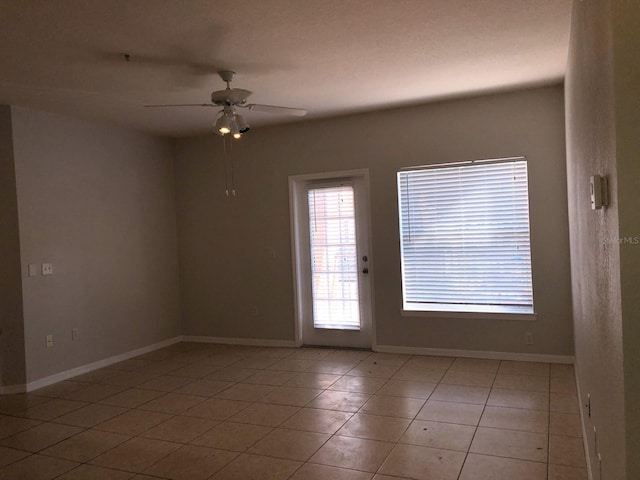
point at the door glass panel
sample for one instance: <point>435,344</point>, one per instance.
<point>334,258</point>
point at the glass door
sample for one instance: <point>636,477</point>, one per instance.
<point>332,262</point>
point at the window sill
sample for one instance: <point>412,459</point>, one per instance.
<point>472,315</point>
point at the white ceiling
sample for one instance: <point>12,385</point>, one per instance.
<point>331,57</point>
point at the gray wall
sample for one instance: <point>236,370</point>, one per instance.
<point>603,137</point>
<point>12,361</point>
<point>225,244</point>
<point>97,202</point>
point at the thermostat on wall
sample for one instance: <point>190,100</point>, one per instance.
<point>599,192</point>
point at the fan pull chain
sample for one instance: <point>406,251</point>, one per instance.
<point>226,167</point>
<point>231,157</point>
<point>233,180</point>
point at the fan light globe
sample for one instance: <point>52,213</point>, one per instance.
<point>235,131</point>
<point>243,126</point>
<point>223,125</point>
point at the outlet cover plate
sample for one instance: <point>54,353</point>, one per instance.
<point>32,269</point>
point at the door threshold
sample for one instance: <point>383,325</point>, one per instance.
<point>333,347</point>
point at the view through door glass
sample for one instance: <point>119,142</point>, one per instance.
<point>334,258</point>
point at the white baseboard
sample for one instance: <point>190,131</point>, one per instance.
<point>257,342</point>
<point>252,342</point>
<point>58,377</point>
<point>445,352</point>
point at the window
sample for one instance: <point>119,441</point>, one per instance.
<point>334,260</point>
<point>464,237</point>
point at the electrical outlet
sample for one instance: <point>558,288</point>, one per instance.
<point>49,339</point>
<point>75,334</point>
<point>528,338</point>
<point>47,268</point>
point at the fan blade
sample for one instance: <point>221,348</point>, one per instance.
<point>297,112</point>
<point>184,105</point>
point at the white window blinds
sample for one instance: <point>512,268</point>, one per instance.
<point>464,235</point>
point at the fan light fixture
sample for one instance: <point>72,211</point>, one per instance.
<point>230,122</point>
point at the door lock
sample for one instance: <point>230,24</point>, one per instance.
<point>365,270</point>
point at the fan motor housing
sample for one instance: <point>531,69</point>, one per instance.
<point>231,96</point>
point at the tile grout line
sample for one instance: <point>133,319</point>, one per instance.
<point>303,463</point>
<point>396,443</point>
<point>479,420</point>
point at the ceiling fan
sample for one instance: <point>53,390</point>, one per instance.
<point>229,99</point>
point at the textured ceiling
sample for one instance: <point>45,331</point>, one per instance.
<point>331,57</point>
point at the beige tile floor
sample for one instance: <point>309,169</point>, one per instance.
<point>205,411</point>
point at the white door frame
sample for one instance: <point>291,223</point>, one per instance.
<point>297,183</point>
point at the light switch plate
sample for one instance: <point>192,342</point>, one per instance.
<point>33,269</point>
<point>47,268</point>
